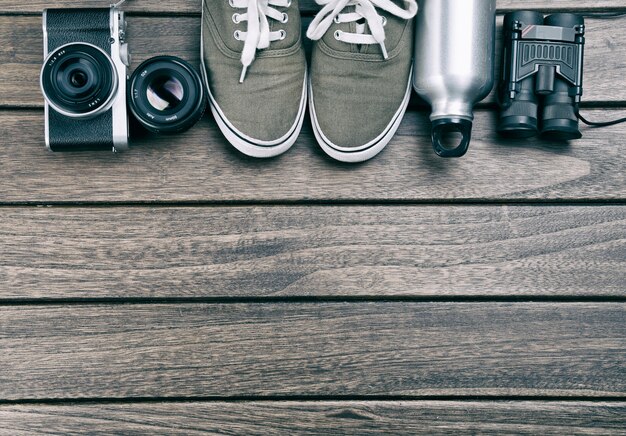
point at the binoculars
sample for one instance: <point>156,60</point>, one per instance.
<point>542,76</point>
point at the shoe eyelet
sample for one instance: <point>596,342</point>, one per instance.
<point>384,20</point>
<point>236,18</point>
<point>283,34</point>
<point>288,4</point>
<point>231,3</point>
<point>285,18</point>
<point>237,35</point>
<point>338,34</point>
<point>336,19</point>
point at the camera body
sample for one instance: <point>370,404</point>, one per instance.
<point>83,79</point>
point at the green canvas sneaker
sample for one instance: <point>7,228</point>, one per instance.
<point>255,70</point>
<point>360,77</point>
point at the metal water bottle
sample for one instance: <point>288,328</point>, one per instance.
<point>454,65</point>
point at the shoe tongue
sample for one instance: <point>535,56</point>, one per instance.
<point>352,27</point>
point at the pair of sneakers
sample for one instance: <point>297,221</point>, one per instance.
<point>358,85</point>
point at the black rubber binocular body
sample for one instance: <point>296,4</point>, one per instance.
<point>542,76</point>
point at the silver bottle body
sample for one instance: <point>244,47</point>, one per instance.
<point>454,55</point>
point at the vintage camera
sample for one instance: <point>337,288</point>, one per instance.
<point>83,79</point>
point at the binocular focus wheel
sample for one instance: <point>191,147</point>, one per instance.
<point>444,130</point>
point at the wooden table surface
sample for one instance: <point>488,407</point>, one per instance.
<point>182,287</point>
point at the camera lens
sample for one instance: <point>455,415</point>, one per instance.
<point>166,95</point>
<point>79,80</point>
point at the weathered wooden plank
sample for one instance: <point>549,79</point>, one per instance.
<point>199,166</point>
<point>21,54</point>
<point>327,417</point>
<point>306,6</point>
<point>68,253</point>
<point>312,349</point>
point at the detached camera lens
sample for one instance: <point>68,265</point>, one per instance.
<point>79,80</point>
<point>166,95</point>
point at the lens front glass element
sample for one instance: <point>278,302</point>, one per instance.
<point>78,78</point>
<point>165,93</point>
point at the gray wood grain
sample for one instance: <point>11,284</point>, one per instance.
<point>199,166</point>
<point>332,349</point>
<point>327,417</point>
<point>434,251</point>
<point>307,6</point>
<point>21,54</point>
<point>304,349</point>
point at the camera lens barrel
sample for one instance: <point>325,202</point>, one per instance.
<point>166,95</point>
<point>79,80</point>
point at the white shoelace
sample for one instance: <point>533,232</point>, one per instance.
<point>363,9</point>
<point>258,35</point>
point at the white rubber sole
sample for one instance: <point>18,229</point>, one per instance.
<point>251,146</point>
<point>366,151</point>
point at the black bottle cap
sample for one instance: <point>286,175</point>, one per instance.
<point>446,129</point>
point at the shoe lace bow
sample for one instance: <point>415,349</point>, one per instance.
<point>258,35</point>
<point>332,12</point>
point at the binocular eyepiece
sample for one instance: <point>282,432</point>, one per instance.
<point>542,75</point>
